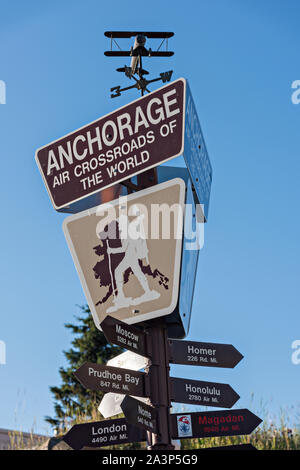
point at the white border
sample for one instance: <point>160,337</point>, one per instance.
<point>183,80</point>
<point>177,262</point>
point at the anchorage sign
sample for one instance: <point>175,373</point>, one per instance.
<point>128,141</point>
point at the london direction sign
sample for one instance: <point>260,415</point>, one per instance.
<point>197,392</point>
<point>213,423</point>
<point>103,433</point>
<point>99,377</point>
<point>128,141</point>
<point>204,354</point>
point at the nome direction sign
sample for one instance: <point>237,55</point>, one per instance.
<point>104,378</point>
<point>103,433</point>
<point>128,141</point>
<point>124,335</point>
<point>204,354</point>
<point>197,392</point>
<point>139,414</point>
<point>214,423</point>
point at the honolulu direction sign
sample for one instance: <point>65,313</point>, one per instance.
<point>204,354</point>
<point>197,392</point>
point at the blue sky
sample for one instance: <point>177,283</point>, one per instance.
<point>240,58</point>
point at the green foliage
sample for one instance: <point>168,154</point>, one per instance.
<point>71,398</point>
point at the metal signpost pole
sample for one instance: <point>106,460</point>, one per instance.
<point>160,387</point>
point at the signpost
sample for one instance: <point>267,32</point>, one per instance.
<point>104,378</point>
<point>204,354</point>
<point>197,392</point>
<point>214,423</point>
<point>139,414</point>
<point>103,433</point>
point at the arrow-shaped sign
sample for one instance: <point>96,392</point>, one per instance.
<point>233,447</point>
<point>214,423</point>
<point>103,433</point>
<point>124,335</point>
<point>129,360</point>
<point>197,392</point>
<point>204,354</point>
<point>99,377</point>
<point>139,414</point>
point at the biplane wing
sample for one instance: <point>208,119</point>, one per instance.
<point>130,34</point>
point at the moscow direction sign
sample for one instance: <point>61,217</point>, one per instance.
<point>103,433</point>
<point>99,377</point>
<point>204,354</point>
<point>214,423</point>
<point>139,414</point>
<point>124,335</point>
<point>196,392</point>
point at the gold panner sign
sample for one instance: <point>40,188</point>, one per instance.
<point>128,253</point>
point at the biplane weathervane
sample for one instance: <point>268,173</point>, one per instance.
<point>135,71</point>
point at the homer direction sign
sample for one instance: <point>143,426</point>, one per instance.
<point>128,141</point>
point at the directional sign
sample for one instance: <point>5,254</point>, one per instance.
<point>204,354</point>
<point>103,378</point>
<point>128,141</point>
<point>124,335</point>
<point>214,423</point>
<point>195,153</point>
<point>103,433</point>
<point>128,252</point>
<point>196,392</point>
<point>111,404</point>
<point>139,414</point>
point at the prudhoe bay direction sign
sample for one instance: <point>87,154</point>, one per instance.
<point>128,141</point>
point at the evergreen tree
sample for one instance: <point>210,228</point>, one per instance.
<point>89,344</point>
